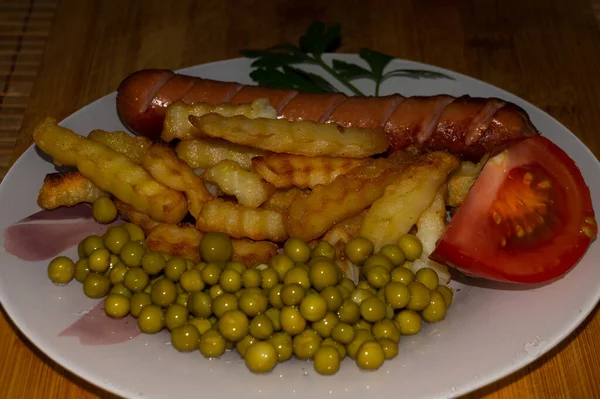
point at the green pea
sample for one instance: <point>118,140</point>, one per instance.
<point>115,238</point>
<point>92,243</point>
<point>283,344</point>
<point>297,250</point>
<point>411,246</point>
<point>132,253</point>
<point>436,310</point>
<point>96,285</point>
<point>281,263</point>
<point>163,293</point>
<point>135,232</point>
<point>419,296</point>
<point>252,301</point>
<point>251,278</point>
<point>261,327</point>
<point>200,304</point>
<point>393,253</point>
<point>104,210</point>
<point>224,303</point>
<point>151,319</point>
<point>216,247</point>
<point>408,321</point>
<point>428,277</point>
<point>292,321</point>
<point>324,249</point>
<point>327,360</point>
<point>269,278</point>
<point>138,301</point>
<point>358,249</point>
<point>185,337</point>
<point>211,344</point>
<point>175,267</point>
<point>370,355</point>
<point>153,263</point>
<point>261,357</point>
<point>82,269</point>
<point>446,292</point>
<point>116,306</point>
<point>61,270</point>
<point>230,280</point>
<point>233,325</point>
<point>120,289</point>
<point>99,260</point>
<point>136,279</point>
<point>176,315</point>
<point>306,344</point>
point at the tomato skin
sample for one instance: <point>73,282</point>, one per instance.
<point>477,245</point>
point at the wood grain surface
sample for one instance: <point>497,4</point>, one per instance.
<point>547,52</point>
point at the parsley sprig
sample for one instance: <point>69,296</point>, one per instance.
<point>277,66</point>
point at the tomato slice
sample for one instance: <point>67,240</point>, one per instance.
<point>527,219</point>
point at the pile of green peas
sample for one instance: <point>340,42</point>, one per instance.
<point>298,305</point>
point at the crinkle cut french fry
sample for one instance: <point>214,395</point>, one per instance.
<point>204,153</point>
<point>287,170</point>
<point>238,221</point>
<point>300,137</point>
<point>67,189</point>
<point>184,240</point>
<point>176,240</point>
<point>281,200</point>
<point>162,163</point>
<point>248,187</point>
<point>178,126</point>
<point>311,215</point>
<point>112,172</point>
<point>128,213</point>
<point>406,197</point>
<point>133,147</point>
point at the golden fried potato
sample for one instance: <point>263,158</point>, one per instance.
<point>287,170</point>
<point>128,213</point>
<point>204,153</point>
<point>111,171</point>
<point>67,189</point>
<point>162,163</point>
<point>252,252</point>
<point>281,200</point>
<point>176,240</point>
<point>239,221</point>
<point>133,147</point>
<point>248,187</point>
<point>461,181</point>
<point>184,240</point>
<point>177,124</point>
<point>311,215</point>
<point>430,228</point>
<point>405,199</point>
<point>301,138</point>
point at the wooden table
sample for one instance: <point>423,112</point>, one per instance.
<point>547,52</point>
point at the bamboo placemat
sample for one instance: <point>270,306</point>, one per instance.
<point>24,27</point>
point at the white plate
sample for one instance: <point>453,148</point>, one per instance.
<point>489,331</point>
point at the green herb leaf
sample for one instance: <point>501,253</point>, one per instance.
<point>319,39</point>
<point>274,65</point>
<point>376,60</point>
<point>287,79</point>
<point>417,74</point>
<point>350,71</point>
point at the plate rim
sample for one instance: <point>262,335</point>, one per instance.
<point>502,372</point>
